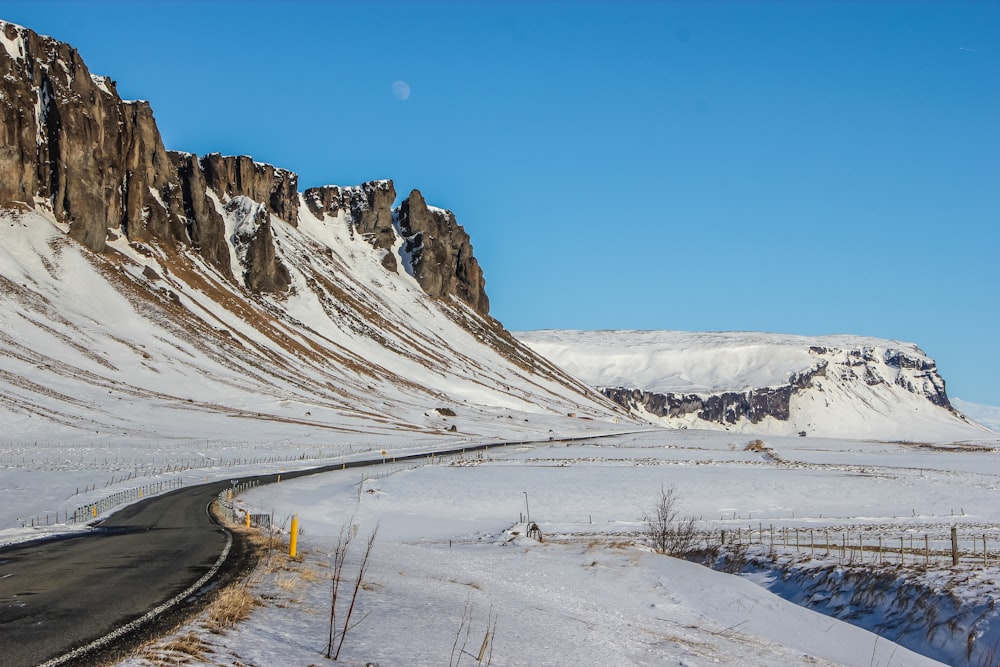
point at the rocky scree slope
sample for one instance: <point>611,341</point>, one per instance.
<point>836,386</point>
<point>133,278</point>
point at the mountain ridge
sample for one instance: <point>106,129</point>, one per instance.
<point>142,284</point>
<point>98,163</point>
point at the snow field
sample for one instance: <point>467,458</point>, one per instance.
<point>587,594</point>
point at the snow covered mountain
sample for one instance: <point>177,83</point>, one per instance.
<point>149,293</point>
<point>837,386</point>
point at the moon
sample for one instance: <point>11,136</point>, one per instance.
<point>401,90</point>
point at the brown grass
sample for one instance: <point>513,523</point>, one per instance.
<point>180,650</point>
<point>231,606</point>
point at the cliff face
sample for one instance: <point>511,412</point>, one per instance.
<point>441,253</point>
<point>69,140</point>
<point>367,208</point>
<point>232,176</point>
<point>70,144</point>
<point>850,371</point>
<point>724,408</point>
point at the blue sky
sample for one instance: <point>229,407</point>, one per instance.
<point>799,167</point>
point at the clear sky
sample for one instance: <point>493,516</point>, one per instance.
<point>797,167</point>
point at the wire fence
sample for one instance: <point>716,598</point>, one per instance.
<point>926,546</point>
<point>390,466</point>
<point>90,511</point>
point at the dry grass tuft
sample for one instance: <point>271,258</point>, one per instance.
<point>289,582</point>
<point>178,650</point>
<point>231,606</point>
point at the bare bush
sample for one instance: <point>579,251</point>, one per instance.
<point>458,648</point>
<point>338,598</point>
<point>666,530</point>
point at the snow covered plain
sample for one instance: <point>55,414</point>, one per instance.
<point>590,594</point>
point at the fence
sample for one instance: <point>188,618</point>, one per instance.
<point>854,545</point>
<point>389,466</point>
<point>228,511</point>
<point>85,513</point>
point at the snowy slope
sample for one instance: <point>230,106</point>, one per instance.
<point>143,342</point>
<point>843,386</point>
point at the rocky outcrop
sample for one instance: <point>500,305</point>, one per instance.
<point>205,229</point>
<point>69,142</point>
<point>441,253</point>
<point>729,407</point>
<point>68,139</point>
<point>232,176</point>
<point>923,377</point>
<point>368,208</point>
<point>254,245</point>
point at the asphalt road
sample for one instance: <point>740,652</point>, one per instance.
<point>59,595</point>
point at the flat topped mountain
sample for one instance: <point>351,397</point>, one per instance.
<point>847,386</point>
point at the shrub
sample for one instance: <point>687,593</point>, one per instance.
<point>666,531</point>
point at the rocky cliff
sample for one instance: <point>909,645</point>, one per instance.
<point>441,253</point>
<point>367,208</point>
<point>70,145</point>
<point>723,408</point>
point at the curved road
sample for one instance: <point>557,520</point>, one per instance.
<point>56,595</point>
<point>61,594</point>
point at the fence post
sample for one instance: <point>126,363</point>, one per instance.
<point>954,546</point>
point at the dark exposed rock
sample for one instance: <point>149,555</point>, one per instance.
<point>205,227</point>
<point>914,373</point>
<point>441,253</point>
<point>254,243</point>
<point>231,176</point>
<point>69,140</point>
<point>727,407</point>
<point>369,208</point>
<point>369,211</point>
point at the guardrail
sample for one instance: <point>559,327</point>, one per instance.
<point>91,511</point>
<point>228,511</point>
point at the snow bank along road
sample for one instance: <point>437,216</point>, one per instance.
<point>61,594</point>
